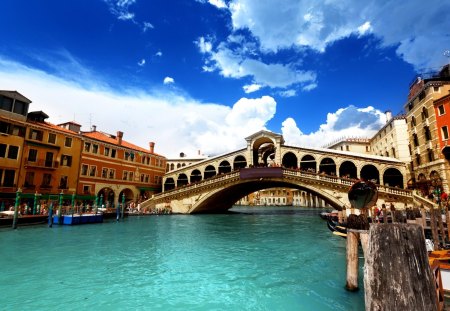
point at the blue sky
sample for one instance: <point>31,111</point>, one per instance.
<point>203,74</point>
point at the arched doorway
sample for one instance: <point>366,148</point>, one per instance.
<point>289,160</point>
<point>348,170</point>
<point>327,166</point>
<point>308,163</point>
<point>196,176</point>
<point>393,178</point>
<point>239,162</point>
<point>224,167</point>
<point>263,152</point>
<point>169,184</point>
<point>182,180</point>
<point>129,196</point>
<point>106,197</point>
<point>210,171</point>
<point>370,172</point>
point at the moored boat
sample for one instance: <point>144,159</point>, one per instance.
<point>7,218</point>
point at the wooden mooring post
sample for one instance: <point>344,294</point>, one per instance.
<point>397,275</point>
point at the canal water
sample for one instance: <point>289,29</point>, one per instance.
<point>257,259</point>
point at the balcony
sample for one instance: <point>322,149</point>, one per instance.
<point>42,163</point>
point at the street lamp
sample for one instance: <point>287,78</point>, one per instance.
<point>16,207</point>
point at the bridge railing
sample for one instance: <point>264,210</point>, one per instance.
<point>286,172</point>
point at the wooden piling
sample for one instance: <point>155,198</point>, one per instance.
<point>433,227</point>
<point>441,225</point>
<point>447,221</point>
<point>352,260</point>
<point>397,275</point>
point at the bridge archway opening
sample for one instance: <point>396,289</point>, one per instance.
<point>239,162</point>
<point>223,200</point>
<point>210,171</point>
<point>348,170</point>
<point>289,160</point>
<point>393,178</point>
<point>224,167</point>
<point>182,180</point>
<point>263,151</point>
<point>169,184</point>
<point>308,163</point>
<point>327,166</point>
<point>196,176</point>
<point>370,172</point>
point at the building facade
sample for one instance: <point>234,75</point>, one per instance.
<point>428,163</point>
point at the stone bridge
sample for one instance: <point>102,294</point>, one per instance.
<point>325,175</point>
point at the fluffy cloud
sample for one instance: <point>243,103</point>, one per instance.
<point>416,27</point>
<point>175,122</point>
<point>141,62</point>
<point>168,80</point>
<point>345,122</point>
<point>120,9</point>
<point>251,88</point>
<point>236,65</point>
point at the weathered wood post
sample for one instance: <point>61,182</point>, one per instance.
<point>447,221</point>
<point>361,195</point>
<point>397,275</point>
<point>441,224</point>
<point>433,226</point>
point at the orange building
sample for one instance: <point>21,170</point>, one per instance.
<point>442,111</point>
<point>112,167</point>
<point>13,111</point>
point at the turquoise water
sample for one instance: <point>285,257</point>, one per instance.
<point>259,260</point>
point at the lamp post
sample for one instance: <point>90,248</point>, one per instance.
<point>96,204</point>
<point>123,203</point>
<point>36,195</point>
<point>16,207</point>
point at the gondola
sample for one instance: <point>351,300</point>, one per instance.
<point>337,228</point>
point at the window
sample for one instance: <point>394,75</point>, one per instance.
<point>18,131</point>
<point>418,159</point>
<point>106,153</point>
<point>8,180</point>
<point>444,130</point>
<point>51,138</point>
<point>104,172</point>
<point>436,89</point>
<point>87,147</point>
<point>127,156</point>
<point>142,177</point>
<point>29,179</point>
<point>93,171</point>
<point>147,178</point>
<point>66,160</point>
<point>68,142</point>
<point>95,149</point>
<point>424,113</point>
<point>6,103</point>
<point>413,121</point>
<point>113,153</point>
<point>415,140</point>
<point>86,189</point>
<point>46,181</point>
<point>4,127</point>
<point>124,175</point>
<point>393,152</point>
<point>13,152</point>
<point>441,110</point>
<point>84,169</point>
<point>430,155</point>
<point>20,107</point>
<point>32,155</point>
<point>112,173</point>
<point>130,176</point>
<point>63,182</point>
<point>35,135</point>
<point>427,133</point>
<point>347,147</point>
<point>2,150</point>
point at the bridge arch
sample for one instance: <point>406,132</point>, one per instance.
<point>308,163</point>
<point>239,162</point>
<point>392,177</point>
<point>106,195</point>
<point>263,150</point>
<point>370,172</point>
<point>223,199</point>
<point>169,184</point>
<point>224,167</point>
<point>210,171</point>
<point>348,169</point>
<point>182,180</point>
<point>289,160</point>
<point>196,176</point>
<point>327,166</point>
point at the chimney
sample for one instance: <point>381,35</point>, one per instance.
<point>119,137</point>
<point>388,115</point>
<point>152,147</point>
<point>94,128</point>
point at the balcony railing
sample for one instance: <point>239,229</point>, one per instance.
<point>42,163</point>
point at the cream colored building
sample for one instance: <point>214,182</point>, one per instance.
<point>360,145</point>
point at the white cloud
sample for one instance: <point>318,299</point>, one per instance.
<point>417,28</point>
<point>288,93</point>
<point>345,122</point>
<point>141,62</point>
<point>146,26</point>
<point>251,88</point>
<point>234,65</point>
<point>120,9</point>
<point>168,80</point>
<point>211,128</point>
<point>159,54</point>
<point>217,3</point>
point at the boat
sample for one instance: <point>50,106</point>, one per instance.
<point>329,215</point>
<point>78,219</point>
<point>7,218</point>
<point>336,228</point>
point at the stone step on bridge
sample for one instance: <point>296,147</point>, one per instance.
<point>218,194</point>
